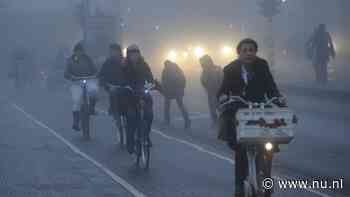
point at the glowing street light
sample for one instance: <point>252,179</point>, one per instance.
<point>227,51</point>
<point>125,52</point>
<point>185,54</point>
<point>172,55</point>
<point>198,52</point>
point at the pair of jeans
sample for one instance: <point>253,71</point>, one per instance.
<point>77,92</point>
<point>180,103</point>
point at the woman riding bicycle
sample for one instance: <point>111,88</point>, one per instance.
<point>81,65</point>
<point>249,77</point>
<point>139,73</point>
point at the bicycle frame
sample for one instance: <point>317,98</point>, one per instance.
<point>85,106</point>
<point>259,150</point>
<point>143,146</point>
<point>120,118</point>
<point>259,168</point>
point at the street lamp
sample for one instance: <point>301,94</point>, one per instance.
<point>199,52</point>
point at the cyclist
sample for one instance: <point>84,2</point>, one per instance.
<point>139,74</point>
<point>249,77</point>
<point>113,72</point>
<point>81,65</point>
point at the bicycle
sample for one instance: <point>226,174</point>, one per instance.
<point>85,106</point>
<point>120,118</point>
<point>261,128</point>
<point>142,145</point>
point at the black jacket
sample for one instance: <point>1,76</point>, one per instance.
<point>261,83</point>
<point>138,74</point>
<point>113,71</point>
<point>173,82</point>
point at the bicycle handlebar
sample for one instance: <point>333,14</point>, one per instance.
<point>83,78</point>
<point>235,99</point>
<point>113,87</point>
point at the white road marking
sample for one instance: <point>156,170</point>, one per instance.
<point>216,155</point>
<point>201,149</point>
<point>76,150</point>
<point>121,181</point>
<point>194,146</point>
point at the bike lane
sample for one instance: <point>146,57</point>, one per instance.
<point>178,167</point>
<point>34,163</point>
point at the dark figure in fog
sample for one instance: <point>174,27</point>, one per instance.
<point>173,87</point>
<point>211,78</point>
<point>57,69</point>
<point>113,72</point>
<point>320,48</point>
<point>249,77</point>
<point>138,73</point>
<point>21,67</point>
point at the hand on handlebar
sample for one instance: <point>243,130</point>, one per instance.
<point>149,85</point>
<point>280,102</point>
<point>223,98</point>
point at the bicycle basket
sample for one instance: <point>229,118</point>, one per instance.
<point>265,125</point>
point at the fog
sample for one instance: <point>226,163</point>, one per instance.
<point>45,26</point>
<point>39,105</point>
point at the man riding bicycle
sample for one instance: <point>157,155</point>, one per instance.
<point>250,78</point>
<point>113,73</point>
<point>139,74</point>
<point>81,65</point>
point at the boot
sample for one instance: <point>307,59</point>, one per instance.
<point>76,121</point>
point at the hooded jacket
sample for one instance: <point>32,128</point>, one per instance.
<point>79,67</point>
<point>173,81</point>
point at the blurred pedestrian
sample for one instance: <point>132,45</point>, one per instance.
<point>173,84</point>
<point>320,48</point>
<point>211,79</point>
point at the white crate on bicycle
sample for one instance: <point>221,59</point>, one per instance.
<point>260,125</point>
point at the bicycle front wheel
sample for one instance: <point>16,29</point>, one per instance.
<point>143,153</point>
<point>85,122</point>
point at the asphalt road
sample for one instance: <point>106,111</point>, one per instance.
<point>44,157</point>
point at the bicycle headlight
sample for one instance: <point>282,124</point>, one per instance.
<point>268,146</point>
<point>84,81</point>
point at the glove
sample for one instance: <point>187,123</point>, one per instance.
<point>148,85</point>
<point>281,102</point>
<point>222,98</point>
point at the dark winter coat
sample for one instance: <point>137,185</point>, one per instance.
<point>113,71</point>
<point>260,84</point>
<point>173,81</point>
<point>138,74</point>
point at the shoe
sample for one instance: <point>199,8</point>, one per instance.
<point>76,121</point>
